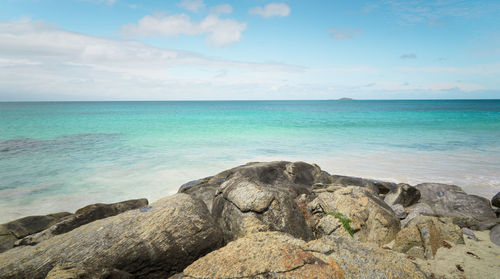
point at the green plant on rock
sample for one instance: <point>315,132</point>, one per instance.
<point>344,220</point>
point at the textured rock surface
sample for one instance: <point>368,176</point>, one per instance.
<point>418,209</point>
<point>263,255</point>
<point>363,261</point>
<point>402,194</point>
<point>261,197</point>
<point>153,243</point>
<point>451,201</point>
<point>14,230</point>
<point>496,200</point>
<point>379,187</point>
<point>424,235</point>
<point>81,217</point>
<point>371,219</point>
<point>495,235</point>
<point>399,210</point>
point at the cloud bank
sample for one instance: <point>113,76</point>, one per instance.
<point>271,10</point>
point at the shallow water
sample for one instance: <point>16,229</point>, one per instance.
<point>64,155</point>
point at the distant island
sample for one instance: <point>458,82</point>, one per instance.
<point>346,99</point>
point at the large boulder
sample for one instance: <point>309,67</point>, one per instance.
<point>403,194</point>
<point>379,187</point>
<point>495,235</point>
<point>424,235</point>
<point>262,255</point>
<point>451,201</point>
<point>371,219</point>
<point>12,231</point>
<point>81,217</point>
<point>264,197</point>
<point>153,242</point>
<point>298,177</point>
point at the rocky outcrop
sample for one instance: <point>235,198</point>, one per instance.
<point>155,242</point>
<point>451,201</point>
<point>371,219</point>
<point>261,197</point>
<point>278,255</point>
<point>379,187</point>
<point>402,194</point>
<point>17,229</point>
<point>424,235</point>
<point>81,217</point>
<point>263,255</point>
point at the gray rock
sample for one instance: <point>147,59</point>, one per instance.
<point>399,210</point>
<point>403,194</point>
<point>379,187</point>
<point>495,235</point>
<point>451,201</point>
<point>328,224</point>
<point>496,200</point>
<point>470,234</point>
<point>83,216</point>
<point>12,231</point>
<point>417,210</point>
<point>156,243</point>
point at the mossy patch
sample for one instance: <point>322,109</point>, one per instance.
<point>344,220</point>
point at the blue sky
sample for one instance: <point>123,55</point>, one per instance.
<point>248,49</point>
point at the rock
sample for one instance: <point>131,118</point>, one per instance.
<point>470,234</point>
<point>297,178</point>
<point>266,197</point>
<point>497,212</point>
<point>379,187</point>
<point>328,224</point>
<point>451,201</point>
<point>71,271</point>
<point>495,235</point>
<point>428,233</point>
<point>495,201</point>
<point>262,255</point>
<point>12,231</point>
<point>371,219</point>
<point>403,194</point>
<point>399,210</point>
<point>362,260</point>
<point>81,217</point>
<point>416,210</point>
<point>153,243</point>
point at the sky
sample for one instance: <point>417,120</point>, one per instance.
<point>84,50</point>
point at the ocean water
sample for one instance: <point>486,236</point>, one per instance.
<point>59,156</point>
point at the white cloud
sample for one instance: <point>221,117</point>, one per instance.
<point>344,34</point>
<point>39,61</point>
<point>272,10</point>
<point>222,9</point>
<point>219,32</point>
<point>192,5</point>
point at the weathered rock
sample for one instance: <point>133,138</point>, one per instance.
<point>399,210</point>
<point>371,219</point>
<point>81,217</point>
<point>451,201</point>
<point>153,243</point>
<point>71,271</point>
<point>262,255</point>
<point>416,210</point>
<point>428,233</point>
<point>362,260</point>
<point>244,207</point>
<point>495,235</point>
<point>328,224</point>
<point>14,230</point>
<point>495,201</point>
<point>297,178</point>
<point>379,187</point>
<point>403,194</point>
<point>264,197</point>
<point>470,234</point>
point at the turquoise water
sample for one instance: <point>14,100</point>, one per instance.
<point>62,155</point>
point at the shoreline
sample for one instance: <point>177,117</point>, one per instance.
<point>280,202</point>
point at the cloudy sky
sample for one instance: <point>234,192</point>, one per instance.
<point>248,49</point>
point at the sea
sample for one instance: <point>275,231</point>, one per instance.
<point>60,156</point>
